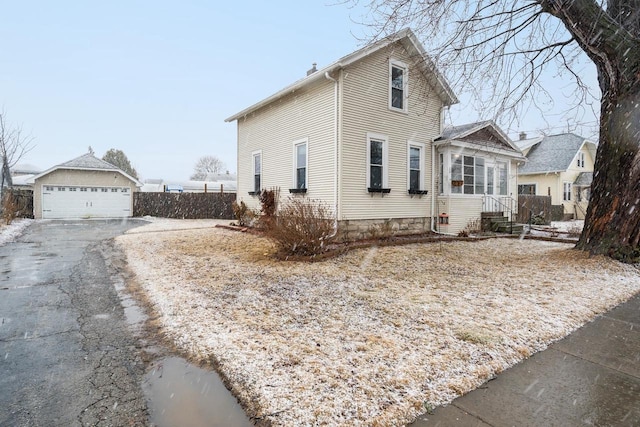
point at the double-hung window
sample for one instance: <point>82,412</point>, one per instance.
<point>377,153</point>
<point>566,191</point>
<point>398,78</point>
<point>415,161</point>
<point>257,171</point>
<point>300,164</point>
<point>580,160</point>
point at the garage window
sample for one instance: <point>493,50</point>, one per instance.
<point>104,190</point>
<point>114,190</point>
<point>125,190</point>
<point>83,188</point>
<point>47,188</point>
<point>72,188</point>
<point>61,188</point>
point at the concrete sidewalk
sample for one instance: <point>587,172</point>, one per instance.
<point>589,378</point>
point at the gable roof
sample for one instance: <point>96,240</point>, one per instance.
<point>405,36</point>
<point>485,135</point>
<point>555,153</point>
<point>87,162</point>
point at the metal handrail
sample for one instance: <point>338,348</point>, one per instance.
<point>505,208</point>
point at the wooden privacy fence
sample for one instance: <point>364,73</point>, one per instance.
<point>21,202</point>
<point>529,205</point>
<point>184,205</point>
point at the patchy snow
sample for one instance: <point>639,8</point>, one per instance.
<point>167,224</point>
<point>8,233</point>
<point>375,336</point>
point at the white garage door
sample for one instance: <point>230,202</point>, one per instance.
<point>72,202</point>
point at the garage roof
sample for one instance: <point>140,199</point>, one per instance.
<point>87,162</point>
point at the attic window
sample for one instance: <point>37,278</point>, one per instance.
<point>398,79</point>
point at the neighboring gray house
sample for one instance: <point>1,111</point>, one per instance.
<point>560,166</point>
<point>85,187</point>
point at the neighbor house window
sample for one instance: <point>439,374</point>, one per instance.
<point>527,189</point>
<point>580,160</point>
<point>416,169</point>
<point>398,79</point>
<point>257,172</point>
<point>566,191</point>
<point>376,162</point>
<point>300,164</point>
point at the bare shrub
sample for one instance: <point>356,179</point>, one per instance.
<point>269,201</point>
<point>301,227</point>
<point>268,206</point>
<point>243,214</point>
<point>9,207</point>
<point>474,226</point>
<point>382,231</point>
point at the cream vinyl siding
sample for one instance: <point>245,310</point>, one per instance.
<point>365,109</point>
<point>273,129</point>
<point>79,178</point>
<point>461,211</point>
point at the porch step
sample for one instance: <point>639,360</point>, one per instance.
<point>509,229</point>
<point>499,223</point>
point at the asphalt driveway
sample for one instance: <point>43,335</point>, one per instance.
<point>67,355</point>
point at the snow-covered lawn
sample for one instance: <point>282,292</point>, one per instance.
<point>8,233</point>
<point>375,336</point>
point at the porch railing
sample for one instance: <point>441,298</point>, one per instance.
<point>507,205</point>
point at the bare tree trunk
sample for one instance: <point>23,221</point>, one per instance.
<point>612,225</point>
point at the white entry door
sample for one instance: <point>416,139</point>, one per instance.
<point>77,202</point>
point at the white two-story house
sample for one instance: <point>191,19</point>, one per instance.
<point>359,135</point>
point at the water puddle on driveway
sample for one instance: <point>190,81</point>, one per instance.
<point>181,394</point>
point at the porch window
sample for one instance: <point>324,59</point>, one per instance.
<point>491,170</point>
<point>566,191</point>
<point>479,175</point>
<point>501,168</point>
<point>467,174</point>
<point>397,86</point>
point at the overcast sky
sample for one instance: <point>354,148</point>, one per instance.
<point>156,79</point>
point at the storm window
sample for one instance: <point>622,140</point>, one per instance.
<point>415,162</point>
<point>257,171</point>
<point>398,86</point>
<point>300,165</point>
<point>376,162</point>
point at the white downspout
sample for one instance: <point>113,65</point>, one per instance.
<point>434,163</point>
<point>335,151</point>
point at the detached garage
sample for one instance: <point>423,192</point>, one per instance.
<point>85,187</point>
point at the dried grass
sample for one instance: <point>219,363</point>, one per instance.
<point>373,337</point>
